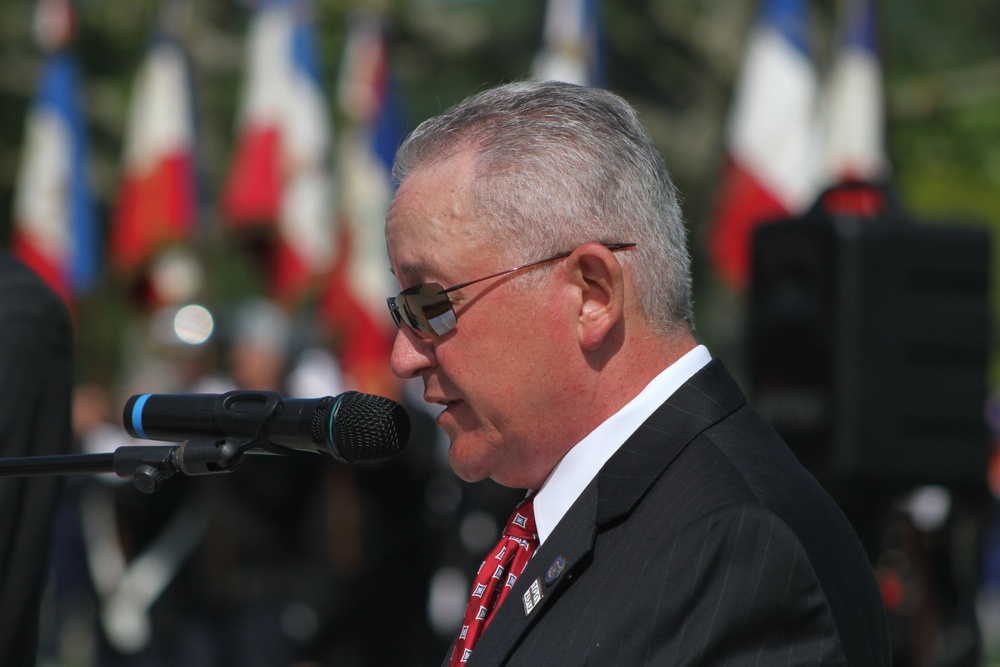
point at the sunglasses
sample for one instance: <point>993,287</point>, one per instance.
<point>427,310</point>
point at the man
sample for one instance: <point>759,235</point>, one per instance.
<point>36,383</point>
<point>547,308</point>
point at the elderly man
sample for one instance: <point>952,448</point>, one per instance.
<point>546,306</point>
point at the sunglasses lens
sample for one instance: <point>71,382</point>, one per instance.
<point>394,311</point>
<point>424,309</point>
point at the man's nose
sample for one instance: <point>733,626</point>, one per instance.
<point>410,354</point>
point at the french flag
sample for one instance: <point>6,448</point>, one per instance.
<point>368,98</point>
<point>55,230</point>
<point>157,199</point>
<point>771,163</point>
<point>280,180</point>
<point>352,304</point>
<point>854,143</point>
<point>571,44</point>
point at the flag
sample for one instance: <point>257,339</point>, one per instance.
<point>55,229</point>
<point>771,137</point>
<point>571,44</point>
<point>353,302</point>
<point>280,179</point>
<point>157,202</point>
<point>854,143</point>
<point>368,98</point>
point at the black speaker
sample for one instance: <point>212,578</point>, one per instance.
<point>868,346</point>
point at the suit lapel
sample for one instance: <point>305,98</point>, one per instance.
<point>705,399</point>
<point>708,397</point>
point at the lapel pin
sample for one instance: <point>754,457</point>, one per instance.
<point>555,569</point>
<point>532,597</point>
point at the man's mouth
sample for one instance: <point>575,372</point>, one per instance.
<point>445,403</point>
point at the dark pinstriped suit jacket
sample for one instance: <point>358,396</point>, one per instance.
<point>36,383</point>
<point>702,541</point>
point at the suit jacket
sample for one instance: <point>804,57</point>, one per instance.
<point>36,381</point>
<point>702,541</point>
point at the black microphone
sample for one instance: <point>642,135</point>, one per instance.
<point>352,427</point>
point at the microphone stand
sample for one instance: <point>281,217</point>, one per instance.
<point>149,466</point>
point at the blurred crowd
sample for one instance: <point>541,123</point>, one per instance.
<point>287,560</point>
<point>304,561</point>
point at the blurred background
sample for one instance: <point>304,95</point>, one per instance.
<point>204,182</point>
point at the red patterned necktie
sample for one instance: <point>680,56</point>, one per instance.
<point>496,577</point>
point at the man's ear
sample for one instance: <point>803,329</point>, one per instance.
<point>598,277</point>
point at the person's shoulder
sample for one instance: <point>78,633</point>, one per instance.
<point>14,274</point>
<point>24,292</point>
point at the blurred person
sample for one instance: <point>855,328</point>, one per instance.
<point>127,582</point>
<point>546,306</point>
<point>280,562</point>
<point>36,378</point>
<point>302,549</point>
<point>269,574</point>
<point>208,571</point>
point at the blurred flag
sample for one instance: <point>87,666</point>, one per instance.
<point>280,180</point>
<point>771,135</point>
<point>157,204</point>
<point>353,302</point>
<point>571,43</point>
<point>55,228</point>
<point>854,144</point>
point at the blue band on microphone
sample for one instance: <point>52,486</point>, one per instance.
<point>137,415</point>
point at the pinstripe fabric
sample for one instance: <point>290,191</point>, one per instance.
<point>701,542</point>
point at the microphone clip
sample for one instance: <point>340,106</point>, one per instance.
<point>150,466</point>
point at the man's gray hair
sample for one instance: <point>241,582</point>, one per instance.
<point>558,165</point>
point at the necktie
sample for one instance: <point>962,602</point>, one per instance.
<point>496,577</point>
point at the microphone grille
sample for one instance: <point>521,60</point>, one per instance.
<point>369,428</point>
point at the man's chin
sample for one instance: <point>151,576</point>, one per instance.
<point>466,460</point>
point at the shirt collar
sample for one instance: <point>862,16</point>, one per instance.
<point>582,463</point>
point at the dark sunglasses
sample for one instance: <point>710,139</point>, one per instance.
<point>427,310</point>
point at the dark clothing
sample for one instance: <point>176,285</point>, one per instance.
<point>36,380</point>
<point>701,541</point>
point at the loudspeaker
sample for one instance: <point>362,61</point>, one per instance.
<point>868,344</point>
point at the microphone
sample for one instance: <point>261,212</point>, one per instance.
<point>352,427</point>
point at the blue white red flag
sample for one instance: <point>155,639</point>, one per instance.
<point>771,137</point>
<point>571,44</point>
<point>353,301</point>
<point>55,229</point>
<point>854,143</point>
<point>280,178</point>
<point>157,203</point>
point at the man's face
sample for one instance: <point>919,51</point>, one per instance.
<point>503,373</point>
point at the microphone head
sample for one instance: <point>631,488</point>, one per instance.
<point>367,428</point>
